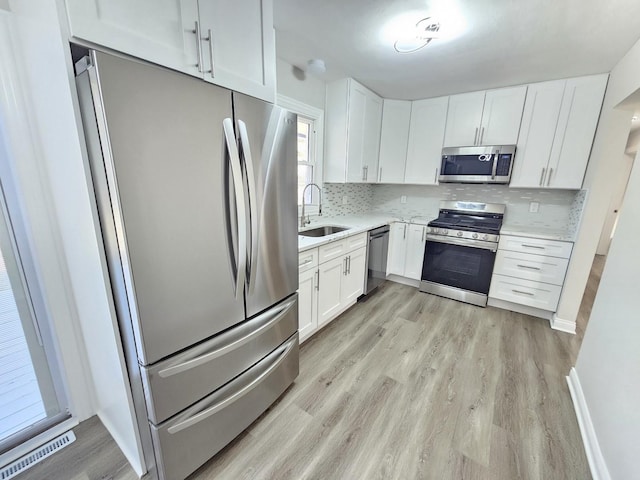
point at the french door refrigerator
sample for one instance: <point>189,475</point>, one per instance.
<point>195,189</point>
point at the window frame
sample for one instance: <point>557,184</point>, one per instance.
<point>316,115</point>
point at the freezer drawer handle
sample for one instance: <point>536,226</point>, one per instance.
<point>236,173</point>
<point>208,411</point>
<point>253,201</point>
<point>282,310</point>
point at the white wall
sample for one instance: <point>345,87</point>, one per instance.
<point>47,85</point>
<point>608,364</point>
<point>608,149</point>
<point>302,87</point>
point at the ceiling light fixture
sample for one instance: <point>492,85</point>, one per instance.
<point>424,31</point>
<point>316,66</point>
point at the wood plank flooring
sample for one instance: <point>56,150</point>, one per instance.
<point>412,386</point>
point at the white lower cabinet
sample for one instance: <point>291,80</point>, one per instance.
<point>529,273</point>
<point>406,250</point>
<point>331,278</point>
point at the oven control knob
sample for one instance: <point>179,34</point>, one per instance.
<point>459,234</point>
<point>485,237</point>
<point>445,231</point>
<point>475,235</point>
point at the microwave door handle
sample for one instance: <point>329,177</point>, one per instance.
<point>494,167</point>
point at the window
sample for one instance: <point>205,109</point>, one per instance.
<point>306,157</point>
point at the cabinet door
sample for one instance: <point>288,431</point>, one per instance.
<point>415,251</point>
<point>307,303</point>
<point>537,132</point>
<point>394,137</point>
<point>426,135</point>
<point>353,282</point>
<point>576,128</point>
<point>329,289</point>
<point>501,116</point>
<point>371,141</point>
<point>240,51</point>
<point>160,32</point>
<point>356,124</point>
<point>463,119</point>
<point>397,248</point>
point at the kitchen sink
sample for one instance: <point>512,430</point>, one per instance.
<point>322,231</point>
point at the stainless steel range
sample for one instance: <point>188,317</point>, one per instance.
<point>460,251</point>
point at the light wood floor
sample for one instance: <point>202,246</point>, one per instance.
<point>409,386</point>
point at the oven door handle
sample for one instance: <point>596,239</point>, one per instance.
<point>463,242</point>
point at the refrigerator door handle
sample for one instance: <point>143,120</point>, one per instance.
<point>253,203</point>
<point>236,173</point>
<point>213,409</point>
<point>267,319</point>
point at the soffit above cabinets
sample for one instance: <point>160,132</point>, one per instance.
<point>498,44</point>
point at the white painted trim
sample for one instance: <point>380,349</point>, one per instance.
<point>562,325</point>
<point>317,115</point>
<point>403,280</point>
<point>516,307</point>
<point>34,442</point>
<point>597,464</point>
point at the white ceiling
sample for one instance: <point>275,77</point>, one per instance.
<point>504,42</point>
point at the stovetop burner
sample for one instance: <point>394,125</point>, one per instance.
<point>456,218</point>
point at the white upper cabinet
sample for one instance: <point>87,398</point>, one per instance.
<point>558,127</point>
<point>426,135</point>
<point>485,118</point>
<point>394,138</point>
<point>175,34</point>
<point>238,47</point>
<point>353,123</point>
<point>463,120</point>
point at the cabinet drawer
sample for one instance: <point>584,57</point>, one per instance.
<point>552,248</point>
<point>177,382</point>
<point>538,268</point>
<point>307,260</point>
<point>525,292</point>
<point>332,250</point>
<point>189,439</point>
<point>356,241</point>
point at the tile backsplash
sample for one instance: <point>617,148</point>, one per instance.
<point>558,209</point>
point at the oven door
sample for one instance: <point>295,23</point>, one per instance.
<point>477,164</point>
<point>459,263</point>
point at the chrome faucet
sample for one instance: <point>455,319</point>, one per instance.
<point>306,221</point>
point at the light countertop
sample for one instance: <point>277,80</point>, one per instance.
<point>536,231</point>
<point>355,224</point>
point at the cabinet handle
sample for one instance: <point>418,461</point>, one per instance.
<point>481,136</point>
<point>404,235</point>
<point>306,262</point>
<point>533,246</point>
<point>317,279</point>
<point>344,270</point>
<point>549,177</point>
<point>542,177</point>
<point>527,266</point>
<point>349,265</point>
<point>213,66</point>
<point>424,229</point>
<point>475,137</point>
<point>435,177</point>
<point>380,175</point>
<point>198,47</point>
<point>523,293</point>
<point>364,174</point>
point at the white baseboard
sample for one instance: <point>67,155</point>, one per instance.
<point>597,465</point>
<point>562,325</point>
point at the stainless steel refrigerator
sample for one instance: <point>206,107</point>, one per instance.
<point>195,189</point>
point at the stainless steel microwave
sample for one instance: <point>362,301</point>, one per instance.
<point>488,164</point>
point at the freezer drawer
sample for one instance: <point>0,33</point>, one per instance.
<point>185,442</point>
<point>175,383</point>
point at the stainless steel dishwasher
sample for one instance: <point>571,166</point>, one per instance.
<point>377,258</point>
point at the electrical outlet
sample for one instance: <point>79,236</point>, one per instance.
<point>403,199</point>
<point>345,200</point>
<point>534,207</point>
